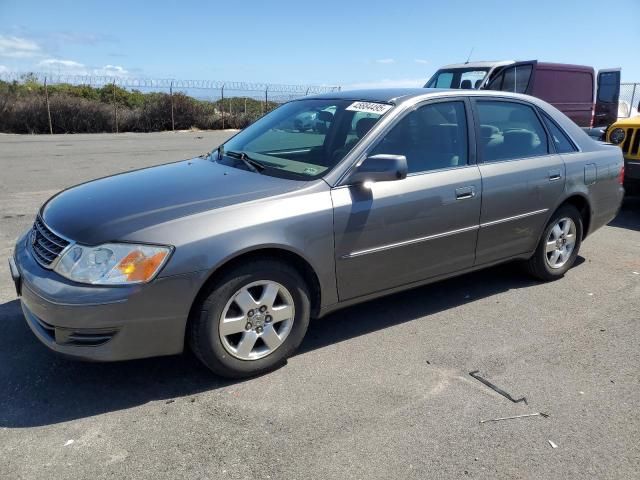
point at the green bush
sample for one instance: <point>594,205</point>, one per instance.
<point>86,109</point>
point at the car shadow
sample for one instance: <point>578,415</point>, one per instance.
<point>42,388</point>
<point>629,215</point>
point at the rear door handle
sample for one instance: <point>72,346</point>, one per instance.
<point>554,175</point>
<point>463,193</point>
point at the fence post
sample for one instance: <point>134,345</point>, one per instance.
<point>222,105</point>
<point>115,106</point>
<point>266,99</point>
<point>46,95</point>
<point>633,97</point>
<point>306,94</point>
<point>245,105</point>
<point>173,125</point>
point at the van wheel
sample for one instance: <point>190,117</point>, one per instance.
<point>559,245</point>
<point>251,320</point>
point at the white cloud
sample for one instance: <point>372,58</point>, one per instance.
<point>18,47</point>
<point>421,61</point>
<point>388,83</point>
<point>71,67</point>
<point>386,60</point>
<point>62,64</point>
<point>3,69</point>
<point>114,70</point>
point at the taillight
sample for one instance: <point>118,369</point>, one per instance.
<point>621,176</point>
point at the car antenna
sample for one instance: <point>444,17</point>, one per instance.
<point>469,57</point>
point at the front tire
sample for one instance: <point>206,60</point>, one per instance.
<point>251,319</point>
<point>559,245</point>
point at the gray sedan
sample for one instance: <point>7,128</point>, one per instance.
<point>233,252</point>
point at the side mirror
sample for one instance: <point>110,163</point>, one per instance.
<point>380,168</point>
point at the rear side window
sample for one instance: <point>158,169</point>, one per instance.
<point>431,137</point>
<point>509,131</point>
<point>560,139</point>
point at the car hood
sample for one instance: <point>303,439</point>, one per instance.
<point>111,208</point>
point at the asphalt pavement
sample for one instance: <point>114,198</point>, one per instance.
<point>377,391</point>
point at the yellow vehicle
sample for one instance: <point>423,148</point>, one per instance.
<point>626,133</point>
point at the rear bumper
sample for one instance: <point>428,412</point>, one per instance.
<point>105,323</point>
<point>632,176</point>
<point>632,170</point>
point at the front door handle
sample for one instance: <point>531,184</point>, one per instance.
<point>463,193</point>
<point>554,175</point>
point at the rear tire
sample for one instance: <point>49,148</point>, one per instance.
<point>251,319</point>
<point>559,245</point>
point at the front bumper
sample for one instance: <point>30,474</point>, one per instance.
<point>104,323</point>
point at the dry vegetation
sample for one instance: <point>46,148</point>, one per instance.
<point>85,109</point>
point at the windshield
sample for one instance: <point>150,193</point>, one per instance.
<point>302,139</point>
<point>467,78</point>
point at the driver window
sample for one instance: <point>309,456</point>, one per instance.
<point>432,137</point>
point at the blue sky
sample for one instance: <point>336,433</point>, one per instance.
<point>348,43</point>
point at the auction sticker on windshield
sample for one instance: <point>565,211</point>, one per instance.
<point>369,107</point>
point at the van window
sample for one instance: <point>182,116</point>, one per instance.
<point>559,138</point>
<point>444,80</point>
<point>509,130</point>
<point>608,87</point>
<point>516,79</point>
<point>432,137</point>
<point>512,79</point>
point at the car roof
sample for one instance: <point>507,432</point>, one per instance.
<point>384,95</point>
<point>487,64</point>
<point>395,96</point>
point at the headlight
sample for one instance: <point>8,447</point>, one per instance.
<point>112,263</point>
<point>617,136</point>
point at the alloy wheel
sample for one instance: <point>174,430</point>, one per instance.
<point>256,320</point>
<point>560,243</point>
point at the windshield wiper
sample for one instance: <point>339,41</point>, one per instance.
<point>252,164</point>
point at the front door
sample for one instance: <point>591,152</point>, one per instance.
<point>391,234</point>
<point>522,178</point>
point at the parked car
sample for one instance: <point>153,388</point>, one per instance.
<point>233,252</point>
<point>572,89</point>
<point>626,134</point>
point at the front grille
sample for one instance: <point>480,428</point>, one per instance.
<point>46,245</point>
<point>631,145</point>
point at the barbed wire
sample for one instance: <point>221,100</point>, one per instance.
<point>164,83</point>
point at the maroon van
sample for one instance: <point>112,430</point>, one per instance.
<point>572,89</point>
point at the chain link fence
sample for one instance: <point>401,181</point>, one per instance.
<point>39,103</point>
<point>629,100</point>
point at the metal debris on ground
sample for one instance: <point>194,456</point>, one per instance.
<point>536,414</point>
<point>475,375</point>
<point>553,445</point>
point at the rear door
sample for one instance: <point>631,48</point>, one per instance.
<point>607,97</point>
<point>522,178</point>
